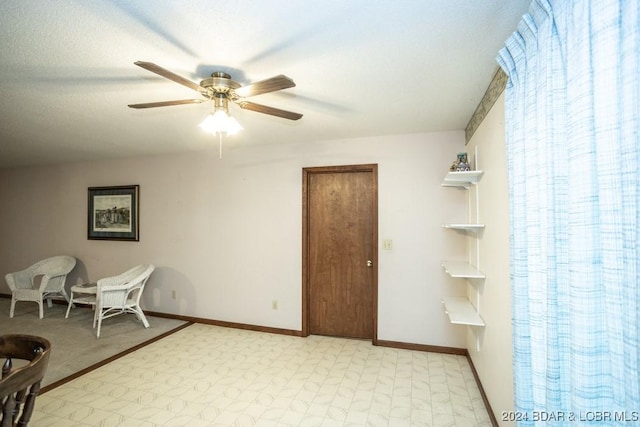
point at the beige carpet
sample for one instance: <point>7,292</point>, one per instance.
<point>73,340</point>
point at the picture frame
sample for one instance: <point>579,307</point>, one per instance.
<point>114,213</point>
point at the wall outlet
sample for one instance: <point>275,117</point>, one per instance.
<point>173,294</point>
<point>274,304</point>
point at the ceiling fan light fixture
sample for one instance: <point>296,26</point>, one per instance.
<point>233,126</point>
<point>220,122</point>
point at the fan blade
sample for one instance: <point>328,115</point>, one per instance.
<point>169,75</point>
<point>167,103</point>
<point>246,105</point>
<point>265,86</point>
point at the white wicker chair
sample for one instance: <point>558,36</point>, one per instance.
<point>53,275</point>
<point>121,294</point>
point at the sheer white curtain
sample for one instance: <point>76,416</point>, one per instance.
<point>573,149</point>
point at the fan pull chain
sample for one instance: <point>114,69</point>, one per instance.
<point>220,143</point>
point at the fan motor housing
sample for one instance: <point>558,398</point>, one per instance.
<point>219,82</point>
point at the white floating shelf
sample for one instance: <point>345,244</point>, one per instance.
<point>461,311</point>
<point>466,227</point>
<point>462,270</point>
<point>462,179</point>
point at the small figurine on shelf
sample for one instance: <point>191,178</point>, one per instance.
<point>462,164</point>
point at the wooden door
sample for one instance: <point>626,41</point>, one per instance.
<point>340,251</point>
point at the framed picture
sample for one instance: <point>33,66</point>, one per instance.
<point>114,213</point>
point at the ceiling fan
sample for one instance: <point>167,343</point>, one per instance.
<point>220,89</point>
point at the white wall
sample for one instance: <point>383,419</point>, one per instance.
<point>494,360</point>
<point>226,234</point>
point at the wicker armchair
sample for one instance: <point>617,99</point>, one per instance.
<point>52,272</point>
<point>121,294</point>
<point>20,386</point>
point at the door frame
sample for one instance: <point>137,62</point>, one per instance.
<point>306,173</point>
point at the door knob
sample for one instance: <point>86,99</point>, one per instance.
<point>369,263</point>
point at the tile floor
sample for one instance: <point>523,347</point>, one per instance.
<point>212,376</point>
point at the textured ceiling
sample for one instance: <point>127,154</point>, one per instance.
<point>362,68</point>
